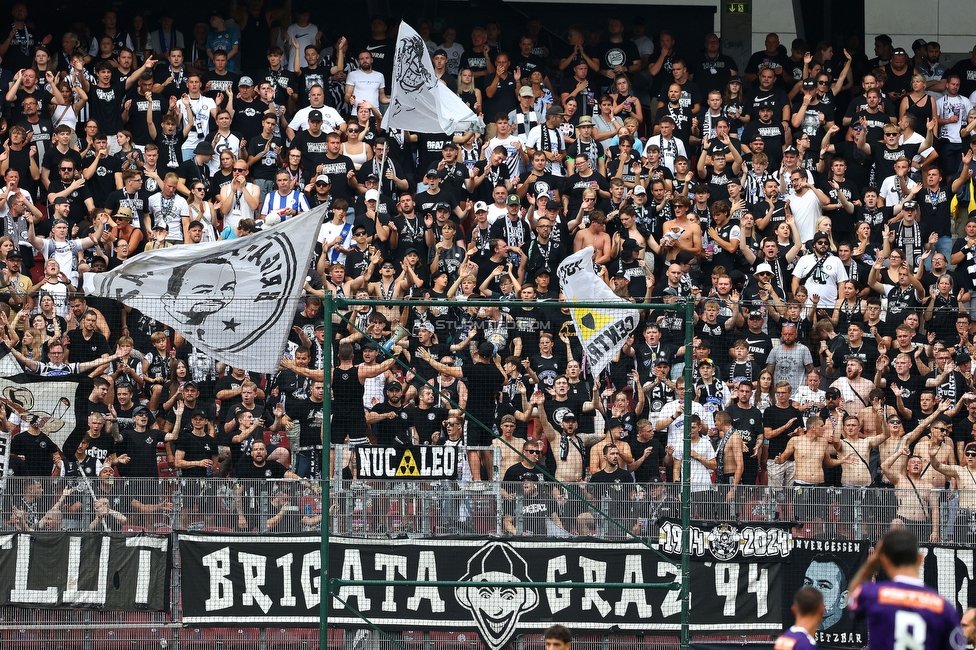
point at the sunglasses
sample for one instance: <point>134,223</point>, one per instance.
<point>536,451</point>
<point>66,169</point>
<point>354,130</point>
<point>939,429</point>
<point>894,421</point>
<point>971,454</point>
<point>822,83</point>
<point>387,266</point>
<point>240,171</point>
<point>452,423</point>
<point>358,234</point>
<point>320,184</point>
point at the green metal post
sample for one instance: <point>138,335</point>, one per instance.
<point>325,586</point>
<point>686,479</point>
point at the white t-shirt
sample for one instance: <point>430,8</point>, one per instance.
<point>556,144</point>
<point>305,37</point>
<point>677,428</point>
<point>945,108</point>
<point>806,210</point>
<point>330,119</point>
<point>170,212</point>
<point>366,86</point>
<point>823,284</point>
<point>454,54</point>
<point>199,116</point>
<point>701,476</point>
<point>890,189</point>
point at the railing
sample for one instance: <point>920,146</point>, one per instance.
<point>412,508</point>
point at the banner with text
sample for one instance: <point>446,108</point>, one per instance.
<point>276,579</point>
<point>407,462</point>
<point>85,571</point>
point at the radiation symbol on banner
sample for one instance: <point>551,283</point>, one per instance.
<point>407,466</point>
<point>590,322</point>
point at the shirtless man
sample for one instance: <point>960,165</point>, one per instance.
<point>568,446</point>
<point>613,430</point>
<point>854,389</point>
<point>811,450</point>
<point>965,476</point>
<point>854,453</point>
<point>510,454</point>
<point>595,235</point>
<point>730,455</point>
<point>681,233</point>
<point>918,504</point>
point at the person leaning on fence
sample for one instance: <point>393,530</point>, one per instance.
<point>812,450</point>
<point>251,469</point>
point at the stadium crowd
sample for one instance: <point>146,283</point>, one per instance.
<point>815,205</point>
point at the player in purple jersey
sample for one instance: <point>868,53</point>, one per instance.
<point>902,613</point>
<point>808,608</point>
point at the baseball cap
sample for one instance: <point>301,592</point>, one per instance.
<point>820,236</point>
<point>393,384</point>
<point>433,172</point>
<point>899,50</point>
<point>323,178</point>
<point>315,116</point>
<point>139,409</point>
<point>372,195</point>
<point>631,245</point>
<point>486,350</point>
<point>755,313</point>
<point>919,42</point>
<point>554,111</point>
<point>766,104</point>
<point>443,206</point>
<point>662,362</point>
<point>791,149</point>
<point>809,83</point>
<point>14,254</point>
<point>526,91</point>
<point>197,413</point>
<point>449,144</point>
<point>639,189</point>
<point>513,199</point>
<point>246,81</point>
<point>481,206</point>
<point>909,205</point>
<point>613,423</point>
<point>195,224</point>
<point>832,392</point>
<point>426,325</point>
<point>963,357</point>
<point>764,268</point>
<point>670,291</point>
<point>440,52</point>
<point>61,200</point>
<point>569,415</point>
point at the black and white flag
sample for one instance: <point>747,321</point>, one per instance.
<point>234,300</point>
<point>419,102</point>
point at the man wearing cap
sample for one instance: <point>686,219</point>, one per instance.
<point>428,200</point>
<point>548,139</point>
<point>250,109</point>
<point>196,168</point>
<point>328,116</point>
<point>14,285</point>
<point>513,229</point>
<point>139,442</point>
<point>570,448</point>
<point>389,419</point>
<point>525,118</point>
<point>820,273</point>
<point>765,127</point>
<point>586,145</point>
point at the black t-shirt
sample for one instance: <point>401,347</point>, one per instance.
<point>248,117</point>
<point>392,431</point>
<point>427,422</point>
<point>484,381</point>
<point>36,450</point>
<point>775,417</point>
<point>141,448</point>
<point>270,470</point>
<point>84,350</point>
<point>105,106</point>
<point>309,416</point>
<point>196,448</point>
<point>337,170</point>
<point>519,472</point>
<point>651,467</point>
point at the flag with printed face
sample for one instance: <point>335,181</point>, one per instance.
<point>602,332</point>
<point>419,102</point>
<point>234,299</point>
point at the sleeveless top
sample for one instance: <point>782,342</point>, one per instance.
<point>922,111</point>
<point>358,159</point>
<point>348,395</point>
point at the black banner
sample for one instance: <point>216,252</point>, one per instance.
<point>425,463</point>
<point>228,579</point>
<point>85,571</point>
<point>727,542</point>
<point>827,565</point>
